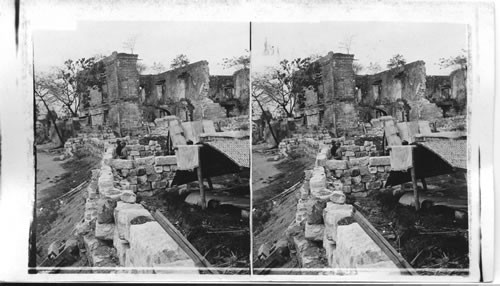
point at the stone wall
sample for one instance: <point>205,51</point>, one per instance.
<point>242,89</point>
<point>324,233</point>
<point>399,92</point>
<point>458,80</point>
<point>117,231</point>
<point>183,92</point>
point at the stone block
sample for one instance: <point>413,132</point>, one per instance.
<point>361,194</point>
<point>339,173</point>
<point>321,194</point>
<point>368,178</point>
<point>150,244</point>
<point>159,185</point>
<point>141,171</point>
<point>346,189</point>
<point>372,170</point>
<point>356,180</point>
<point>121,246</point>
<point>133,188</point>
<point>104,231</point>
<point>375,185</point>
<point>315,216</point>
<point>145,161</point>
<point>122,164</point>
<point>301,217</point>
<point>105,209</point>
<point>144,187</point>
<point>361,161</point>
<point>150,169</point>
<point>350,154</point>
<point>132,180</point>
<point>165,160</point>
<point>332,214</point>
<point>338,197</point>
<point>314,232</point>
<point>146,193</point>
<point>158,169</point>
<point>321,159</point>
<point>354,171</point>
<point>358,187</point>
<point>134,153</point>
<point>380,161</point>
<point>154,177</point>
<point>142,179</point>
<point>128,196</point>
<point>336,164</point>
<point>124,214</point>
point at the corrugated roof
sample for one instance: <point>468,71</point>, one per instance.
<point>452,151</point>
<point>235,149</point>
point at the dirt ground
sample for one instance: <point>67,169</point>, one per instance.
<point>56,218</point>
<point>219,233</point>
<point>272,218</point>
<point>432,238</point>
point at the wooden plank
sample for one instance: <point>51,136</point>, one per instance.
<point>190,250</point>
<point>415,188</point>
<point>384,244</point>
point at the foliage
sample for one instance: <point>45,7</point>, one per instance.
<point>67,83</point>
<point>179,61</point>
<point>284,85</point>
<point>456,62</point>
<point>396,61</point>
<point>241,61</point>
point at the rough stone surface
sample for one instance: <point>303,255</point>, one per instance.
<point>337,197</point>
<point>336,164</point>
<point>151,245</point>
<point>145,161</point>
<point>380,161</point>
<point>104,231</point>
<point>128,197</point>
<point>314,232</point>
<point>332,214</point>
<point>122,164</point>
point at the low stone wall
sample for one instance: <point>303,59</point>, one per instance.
<point>145,175</point>
<point>457,123</point>
<point>324,233</point>
<point>117,231</point>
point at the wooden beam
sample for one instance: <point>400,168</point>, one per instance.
<point>190,250</point>
<point>200,181</point>
<point>384,244</point>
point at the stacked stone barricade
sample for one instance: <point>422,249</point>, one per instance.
<point>116,230</point>
<point>324,233</point>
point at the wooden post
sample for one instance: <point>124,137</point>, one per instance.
<point>414,182</point>
<point>424,184</point>
<point>200,181</point>
<point>210,185</point>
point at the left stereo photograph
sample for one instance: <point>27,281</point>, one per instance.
<point>142,140</point>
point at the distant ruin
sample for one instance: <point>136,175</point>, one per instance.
<point>342,101</point>
<point>126,101</point>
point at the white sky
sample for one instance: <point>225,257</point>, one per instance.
<point>372,41</point>
<point>156,42</point>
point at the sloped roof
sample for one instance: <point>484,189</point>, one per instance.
<point>235,149</point>
<point>452,151</point>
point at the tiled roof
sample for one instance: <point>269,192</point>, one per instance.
<point>235,149</point>
<point>453,151</point>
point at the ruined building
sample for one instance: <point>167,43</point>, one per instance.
<point>125,101</point>
<point>341,101</point>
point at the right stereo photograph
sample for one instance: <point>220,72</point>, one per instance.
<point>359,149</point>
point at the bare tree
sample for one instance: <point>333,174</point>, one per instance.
<point>259,97</point>
<point>346,44</point>
<point>43,95</point>
<point>129,43</point>
<point>241,61</point>
<point>456,62</point>
<point>141,67</point>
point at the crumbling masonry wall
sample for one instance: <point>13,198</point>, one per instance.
<point>324,234</point>
<point>182,91</point>
<point>116,230</point>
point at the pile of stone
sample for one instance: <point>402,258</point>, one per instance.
<point>112,217</point>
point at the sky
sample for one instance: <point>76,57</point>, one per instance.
<point>371,41</point>
<point>155,42</point>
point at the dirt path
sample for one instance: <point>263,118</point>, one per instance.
<point>272,218</point>
<point>56,218</point>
